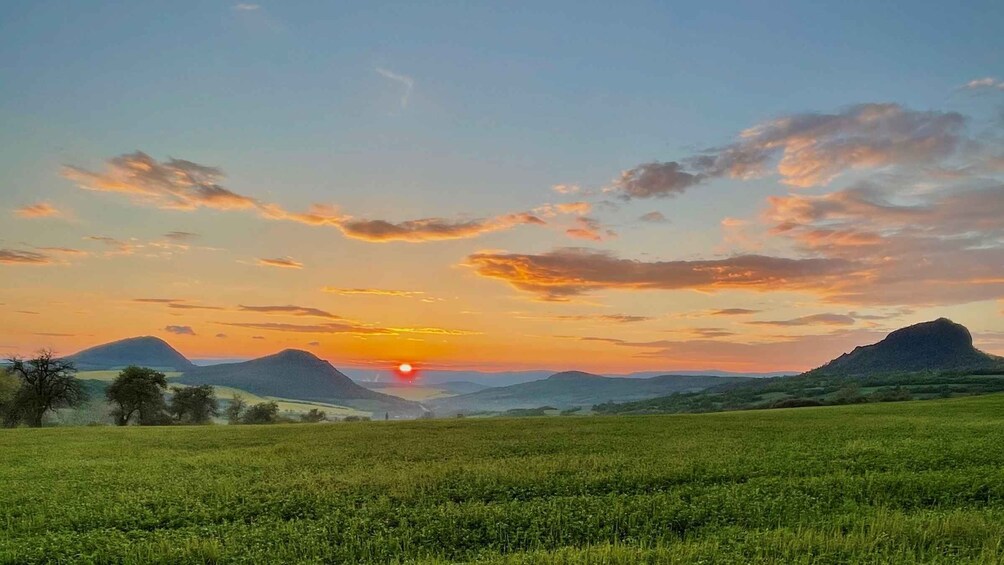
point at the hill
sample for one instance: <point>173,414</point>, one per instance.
<point>928,360</point>
<point>574,388</point>
<point>146,351</point>
<point>939,345</point>
<point>299,375</point>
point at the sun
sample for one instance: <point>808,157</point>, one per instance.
<point>405,368</point>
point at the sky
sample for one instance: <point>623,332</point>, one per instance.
<point>610,187</point>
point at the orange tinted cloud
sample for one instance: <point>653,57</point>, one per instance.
<point>281,262</point>
<point>39,210</point>
<point>175,183</point>
<point>290,310</point>
<point>811,149</point>
<point>372,292</point>
<point>943,247</point>
<point>347,327</point>
<point>565,273</point>
<point>431,229</point>
<point>185,185</point>
<point>813,320</point>
<point>17,257</point>
<point>588,228</point>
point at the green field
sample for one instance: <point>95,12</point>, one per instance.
<point>889,482</point>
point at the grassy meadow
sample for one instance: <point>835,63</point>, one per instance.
<point>884,482</point>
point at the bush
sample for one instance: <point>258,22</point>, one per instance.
<point>261,413</point>
<point>796,403</point>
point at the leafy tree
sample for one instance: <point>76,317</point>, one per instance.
<point>313,416</point>
<point>138,390</point>
<point>47,383</point>
<point>194,404</point>
<point>262,413</point>
<point>9,385</point>
<point>235,409</point>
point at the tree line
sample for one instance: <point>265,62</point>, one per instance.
<point>32,388</point>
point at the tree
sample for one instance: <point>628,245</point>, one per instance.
<point>138,390</point>
<point>194,404</point>
<point>46,383</point>
<point>261,413</point>
<point>10,416</point>
<point>235,410</point>
<point>313,416</point>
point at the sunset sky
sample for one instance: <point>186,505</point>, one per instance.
<point>608,187</point>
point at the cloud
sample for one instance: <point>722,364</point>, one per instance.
<point>184,185</point>
<point>221,336</point>
<point>118,247</point>
<point>331,328</point>
<point>610,318</point>
<point>185,306</point>
<point>180,330</point>
<point>813,320</point>
<point>654,218</point>
<point>705,333</point>
<point>654,180</point>
<point>346,327</point>
<point>314,343</point>
<point>816,148</point>
<point>406,81</point>
<point>432,229</point>
<point>176,303</point>
<point>945,246</point>
<point>566,188</point>
<point>281,262</point>
<point>614,318</point>
<point>811,149</point>
<point>38,210</point>
<point>982,83</point>
<point>175,183</point>
<point>372,292</point>
<point>290,310</point>
<point>62,250</point>
<point>181,235</point>
<point>588,228</point>
<point>18,257</point>
<point>732,312</point>
<point>246,7</point>
<point>566,273</point>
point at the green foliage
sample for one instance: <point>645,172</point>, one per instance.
<point>261,413</point>
<point>194,405</point>
<point>9,385</point>
<point>916,482</point>
<point>313,416</point>
<point>235,409</point>
<point>46,384</point>
<point>138,391</point>
<point>523,412</point>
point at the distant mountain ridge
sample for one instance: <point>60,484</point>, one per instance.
<point>301,375</point>
<point>938,345</point>
<point>145,351</point>
<point>574,388</point>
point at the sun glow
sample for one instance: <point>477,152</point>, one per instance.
<point>405,368</point>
